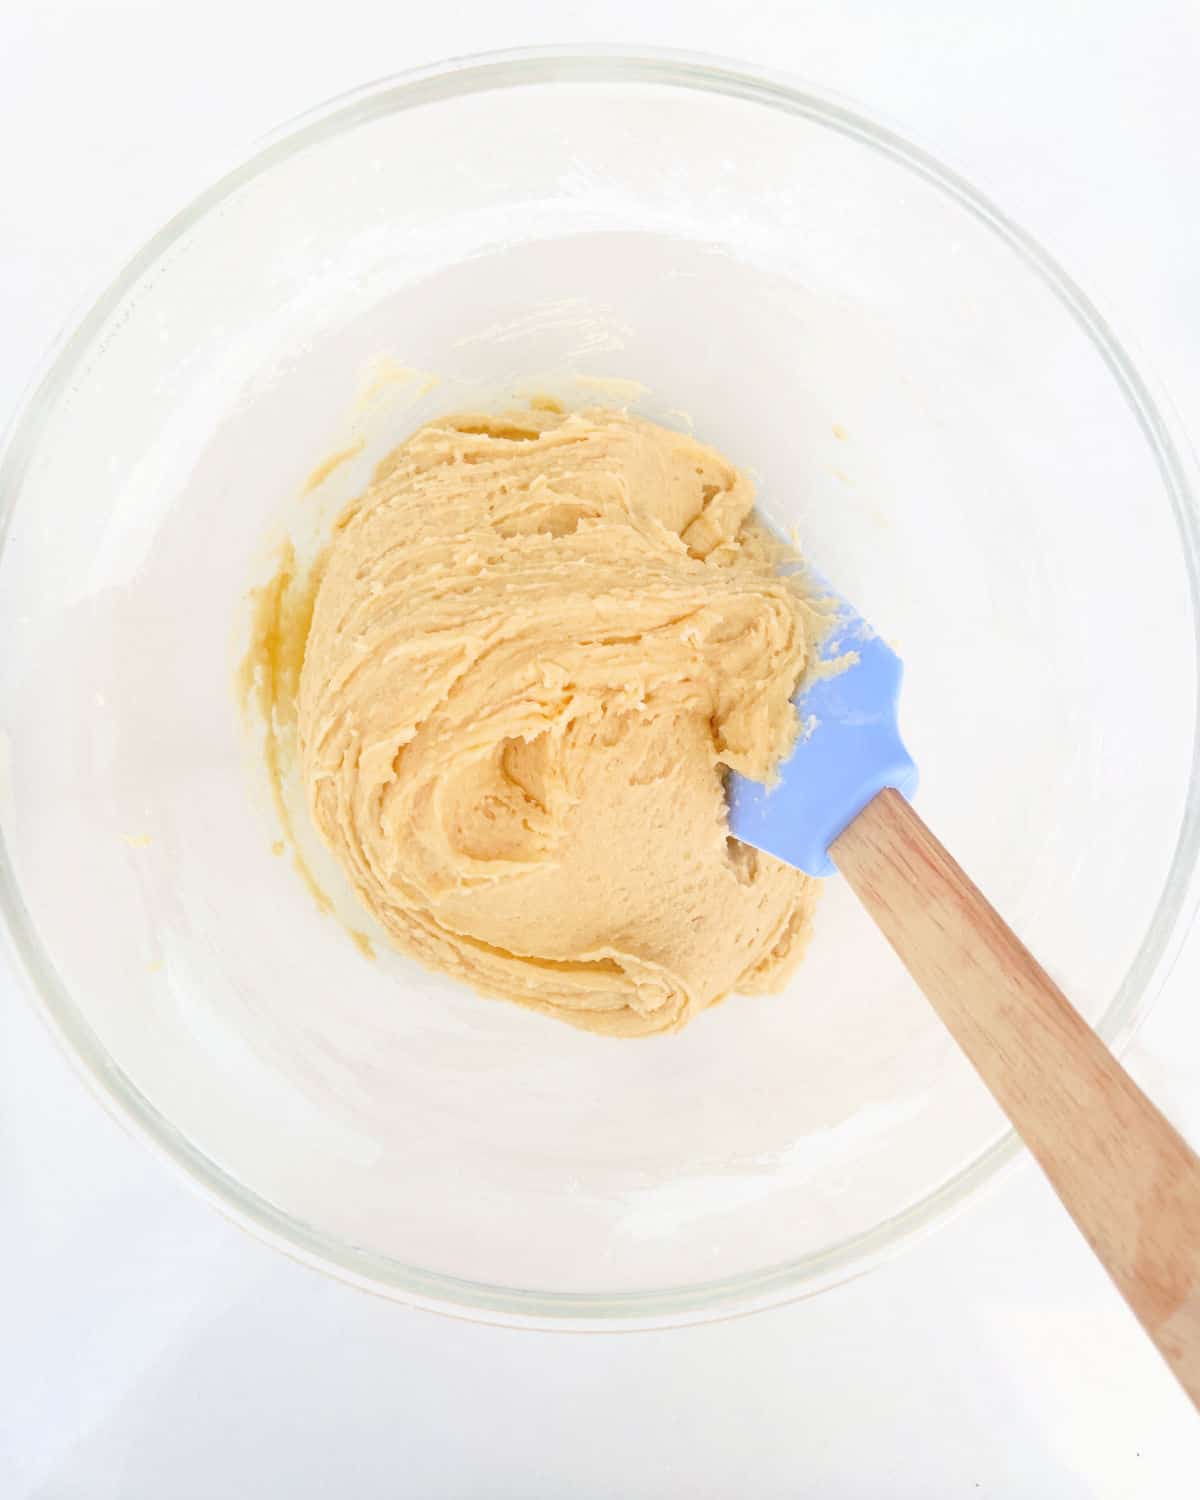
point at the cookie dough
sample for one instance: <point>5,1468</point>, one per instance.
<point>538,642</point>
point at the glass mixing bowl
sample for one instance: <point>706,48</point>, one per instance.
<point>921,395</point>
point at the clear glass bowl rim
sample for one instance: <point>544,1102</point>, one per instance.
<point>663,1306</point>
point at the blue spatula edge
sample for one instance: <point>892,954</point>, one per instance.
<point>848,750</point>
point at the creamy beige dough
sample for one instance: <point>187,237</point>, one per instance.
<point>538,643</point>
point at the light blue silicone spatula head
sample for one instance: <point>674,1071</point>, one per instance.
<point>848,749</point>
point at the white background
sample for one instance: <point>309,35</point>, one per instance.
<point>148,1350</point>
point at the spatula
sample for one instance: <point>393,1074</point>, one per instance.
<point>1126,1176</point>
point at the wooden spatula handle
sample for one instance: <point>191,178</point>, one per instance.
<point>1126,1176</point>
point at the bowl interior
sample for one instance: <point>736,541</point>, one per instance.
<point>913,397</point>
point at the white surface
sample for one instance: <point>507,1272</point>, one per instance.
<point>151,1350</point>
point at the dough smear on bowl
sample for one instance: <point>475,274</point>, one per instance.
<point>539,641</point>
